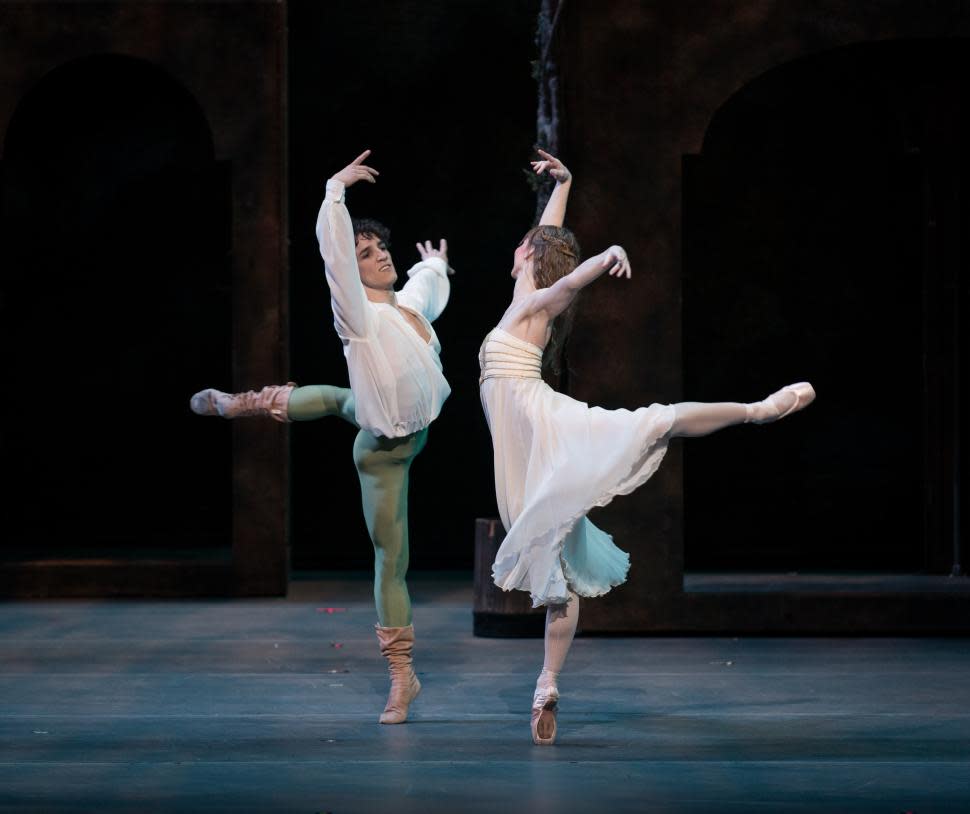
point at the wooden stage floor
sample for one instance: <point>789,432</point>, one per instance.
<point>271,706</point>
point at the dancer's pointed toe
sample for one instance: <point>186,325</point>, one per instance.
<point>545,705</point>
<point>804,395</point>
<point>204,402</point>
<point>790,399</point>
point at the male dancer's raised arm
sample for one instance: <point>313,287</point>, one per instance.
<point>428,288</point>
<point>338,247</point>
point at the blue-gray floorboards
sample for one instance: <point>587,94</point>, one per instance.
<point>271,705</point>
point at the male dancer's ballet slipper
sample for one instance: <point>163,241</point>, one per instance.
<point>545,704</point>
<point>270,401</point>
<point>397,644</point>
<point>774,407</point>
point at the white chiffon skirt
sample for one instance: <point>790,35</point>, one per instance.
<point>555,459</point>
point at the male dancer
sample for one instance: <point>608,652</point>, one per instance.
<point>396,390</point>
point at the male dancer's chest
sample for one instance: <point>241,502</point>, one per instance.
<point>415,322</point>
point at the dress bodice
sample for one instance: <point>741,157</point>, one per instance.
<point>503,356</point>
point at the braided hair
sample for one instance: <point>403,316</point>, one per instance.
<point>555,253</point>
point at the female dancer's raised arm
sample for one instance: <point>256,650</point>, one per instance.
<point>555,211</point>
<point>560,295</point>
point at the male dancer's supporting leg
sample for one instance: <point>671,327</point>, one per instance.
<point>383,465</point>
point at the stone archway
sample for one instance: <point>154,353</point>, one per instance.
<point>116,303</point>
<point>821,236</point>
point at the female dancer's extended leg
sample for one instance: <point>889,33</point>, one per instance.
<point>695,418</point>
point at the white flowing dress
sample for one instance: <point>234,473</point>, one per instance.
<point>555,459</point>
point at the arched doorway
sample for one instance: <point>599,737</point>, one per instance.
<point>114,276</point>
<point>822,241</point>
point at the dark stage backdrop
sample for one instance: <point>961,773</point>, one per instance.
<point>443,95</point>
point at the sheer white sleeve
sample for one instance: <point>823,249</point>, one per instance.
<point>335,234</point>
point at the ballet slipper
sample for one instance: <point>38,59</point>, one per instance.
<point>545,704</point>
<point>396,646</point>
<point>795,396</point>
<point>270,401</point>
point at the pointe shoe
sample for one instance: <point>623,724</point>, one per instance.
<point>271,401</point>
<point>545,704</point>
<point>397,644</point>
<point>772,408</point>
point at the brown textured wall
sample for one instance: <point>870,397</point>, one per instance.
<point>231,58</point>
<point>641,82</point>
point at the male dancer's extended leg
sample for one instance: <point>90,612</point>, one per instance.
<point>283,402</point>
<point>321,400</point>
<point>383,465</point>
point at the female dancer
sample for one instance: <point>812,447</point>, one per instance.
<point>557,458</point>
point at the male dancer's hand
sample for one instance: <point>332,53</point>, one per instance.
<point>555,167</point>
<point>356,170</point>
<point>427,250</point>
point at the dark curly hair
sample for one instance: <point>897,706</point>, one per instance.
<point>367,227</point>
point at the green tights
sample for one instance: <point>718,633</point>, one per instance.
<point>383,465</point>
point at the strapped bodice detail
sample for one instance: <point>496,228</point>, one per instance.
<point>503,356</point>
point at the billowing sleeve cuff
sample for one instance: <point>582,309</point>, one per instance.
<point>335,190</point>
<point>435,264</point>
<point>427,288</point>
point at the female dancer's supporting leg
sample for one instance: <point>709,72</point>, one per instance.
<point>561,623</point>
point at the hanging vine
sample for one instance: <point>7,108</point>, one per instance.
<point>545,73</point>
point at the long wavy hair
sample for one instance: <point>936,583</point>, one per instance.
<point>555,253</point>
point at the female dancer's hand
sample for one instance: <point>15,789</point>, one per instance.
<point>615,259</point>
<point>356,170</point>
<point>427,250</point>
<point>555,167</point>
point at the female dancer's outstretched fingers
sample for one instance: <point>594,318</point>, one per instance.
<point>556,168</point>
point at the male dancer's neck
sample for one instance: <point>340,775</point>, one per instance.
<point>385,295</point>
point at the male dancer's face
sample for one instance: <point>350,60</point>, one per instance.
<point>375,264</point>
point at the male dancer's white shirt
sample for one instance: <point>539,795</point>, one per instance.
<point>395,375</point>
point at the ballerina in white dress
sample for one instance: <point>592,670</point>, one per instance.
<point>556,458</point>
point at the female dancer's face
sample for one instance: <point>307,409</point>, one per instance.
<point>375,263</point>
<point>522,260</point>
